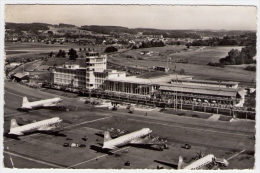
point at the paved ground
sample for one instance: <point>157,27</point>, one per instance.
<point>223,139</point>
<point>214,117</point>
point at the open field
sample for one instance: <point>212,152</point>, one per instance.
<point>197,59</point>
<point>194,55</point>
<point>13,49</point>
<point>223,139</point>
<point>196,70</point>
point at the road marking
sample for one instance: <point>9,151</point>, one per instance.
<point>13,94</point>
<point>87,122</point>
<point>192,128</point>
<point>236,155</point>
<point>38,161</point>
<point>97,157</point>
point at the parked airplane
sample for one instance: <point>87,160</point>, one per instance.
<point>202,163</point>
<point>42,103</point>
<point>140,137</point>
<point>44,125</point>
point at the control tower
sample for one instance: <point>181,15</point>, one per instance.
<point>96,64</point>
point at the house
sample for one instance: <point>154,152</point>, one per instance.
<point>144,52</point>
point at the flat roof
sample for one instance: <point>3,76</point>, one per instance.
<point>150,75</point>
<point>19,75</point>
<point>145,81</point>
<point>208,81</point>
<point>200,89</point>
<point>62,67</point>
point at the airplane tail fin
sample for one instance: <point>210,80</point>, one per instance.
<point>13,124</point>
<point>25,100</point>
<point>180,162</point>
<point>107,136</point>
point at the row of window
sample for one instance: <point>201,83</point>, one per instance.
<point>44,124</point>
<point>129,139</point>
<point>198,167</point>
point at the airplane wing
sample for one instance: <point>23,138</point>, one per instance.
<point>170,164</point>
<point>49,104</point>
<point>27,107</point>
<point>111,148</point>
<point>147,141</point>
<point>45,128</point>
<point>17,133</point>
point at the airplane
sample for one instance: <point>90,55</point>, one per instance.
<point>140,137</point>
<point>44,125</point>
<point>42,103</point>
<point>202,163</point>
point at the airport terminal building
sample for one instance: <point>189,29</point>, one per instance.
<point>180,87</point>
<point>153,84</point>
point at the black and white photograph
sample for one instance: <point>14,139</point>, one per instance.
<point>103,86</point>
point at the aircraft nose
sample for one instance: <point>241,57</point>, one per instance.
<point>149,131</point>
<point>226,162</point>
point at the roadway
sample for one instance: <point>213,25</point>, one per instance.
<point>223,139</point>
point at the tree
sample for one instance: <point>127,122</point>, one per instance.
<point>72,54</point>
<point>61,53</point>
<point>51,53</point>
<point>182,71</point>
<point>80,49</point>
<point>50,33</point>
<point>111,49</point>
<point>188,45</point>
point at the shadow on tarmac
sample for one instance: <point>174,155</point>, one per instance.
<point>57,108</point>
<point>16,137</point>
<point>100,150</point>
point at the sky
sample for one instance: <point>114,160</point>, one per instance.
<point>138,16</point>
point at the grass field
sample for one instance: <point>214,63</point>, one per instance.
<point>194,55</point>
<point>197,58</point>
<point>13,48</point>
<point>187,113</point>
<point>196,65</point>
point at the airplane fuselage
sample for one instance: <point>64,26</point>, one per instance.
<point>128,138</point>
<point>201,163</point>
<point>34,126</point>
<point>41,103</point>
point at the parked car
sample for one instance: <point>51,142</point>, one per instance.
<point>187,146</point>
<point>74,145</point>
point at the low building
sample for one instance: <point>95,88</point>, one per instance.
<point>144,84</point>
<point>161,68</point>
<point>180,87</point>
<point>20,77</point>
